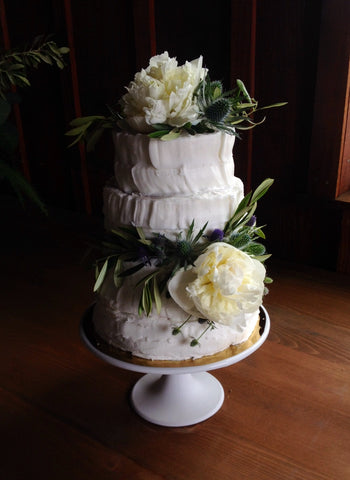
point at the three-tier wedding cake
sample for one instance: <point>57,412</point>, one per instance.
<point>183,275</point>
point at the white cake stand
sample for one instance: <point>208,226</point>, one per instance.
<point>174,396</point>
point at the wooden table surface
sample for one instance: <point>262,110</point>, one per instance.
<point>65,414</point>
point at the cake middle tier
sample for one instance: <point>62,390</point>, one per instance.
<point>173,214</point>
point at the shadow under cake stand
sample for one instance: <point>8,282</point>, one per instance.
<point>175,396</point>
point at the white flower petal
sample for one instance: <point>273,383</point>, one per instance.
<point>177,289</point>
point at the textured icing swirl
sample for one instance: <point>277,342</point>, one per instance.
<point>188,165</point>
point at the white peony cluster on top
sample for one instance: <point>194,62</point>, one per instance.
<point>163,94</point>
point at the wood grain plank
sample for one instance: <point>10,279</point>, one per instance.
<point>49,448</point>
<point>67,414</point>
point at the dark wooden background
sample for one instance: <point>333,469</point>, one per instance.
<point>290,50</point>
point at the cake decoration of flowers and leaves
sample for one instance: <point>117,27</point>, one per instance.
<point>213,276</point>
<point>166,99</point>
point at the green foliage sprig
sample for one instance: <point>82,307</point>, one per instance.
<point>129,244</point>
<point>228,112</point>
<point>90,129</point>
<point>14,72</point>
<point>15,64</point>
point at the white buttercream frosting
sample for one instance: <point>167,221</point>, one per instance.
<point>117,322</point>
<point>189,165</point>
<point>162,186</point>
<point>172,214</point>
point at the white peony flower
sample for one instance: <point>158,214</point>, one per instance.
<point>163,93</point>
<point>224,284</point>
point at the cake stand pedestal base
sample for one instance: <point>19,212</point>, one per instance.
<point>172,396</point>
<point>177,400</point>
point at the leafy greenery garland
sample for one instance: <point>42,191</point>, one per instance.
<point>218,111</point>
<point>129,244</point>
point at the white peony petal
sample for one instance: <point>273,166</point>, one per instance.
<point>168,84</point>
<point>177,289</point>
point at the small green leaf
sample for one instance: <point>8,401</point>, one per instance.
<point>156,295</point>
<point>23,79</point>
<point>243,89</point>
<point>77,122</point>
<point>158,134</point>
<point>78,130</point>
<point>274,105</point>
<point>260,233</point>
<point>262,189</point>
<point>255,249</point>
<point>262,258</point>
<point>116,273</point>
<point>171,135</point>
<point>217,92</point>
<point>101,276</point>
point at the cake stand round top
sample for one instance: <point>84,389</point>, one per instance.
<point>92,342</point>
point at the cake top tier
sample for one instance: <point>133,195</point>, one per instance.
<point>190,165</point>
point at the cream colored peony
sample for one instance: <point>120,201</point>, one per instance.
<point>224,284</point>
<point>163,93</point>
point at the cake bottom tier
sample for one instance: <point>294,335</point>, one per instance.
<point>117,322</point>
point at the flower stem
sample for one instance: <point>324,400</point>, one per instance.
<point>177,330</point>
<point>195,341</point>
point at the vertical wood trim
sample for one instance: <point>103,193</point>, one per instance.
<point>343,183</point>
<point>252,54</point>
<point>77,105</point>
<point>330,99</point>
<point>15,107</point>
<point>144,31</point>
<point>243,66</point>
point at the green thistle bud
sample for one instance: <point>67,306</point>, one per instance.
<point>184,248</point>
<point>218,110</point>
<point>241,240</point>
<point>256,249</point>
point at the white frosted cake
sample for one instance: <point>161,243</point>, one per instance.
<point>172,195</point>
<point>182,276</point>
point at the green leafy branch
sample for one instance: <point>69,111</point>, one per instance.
<point>89,129</point>
<point>14,72</point>
<point>15,64</point>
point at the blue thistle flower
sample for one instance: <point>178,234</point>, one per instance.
<point>216,236</point>
<point>252,221</point>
